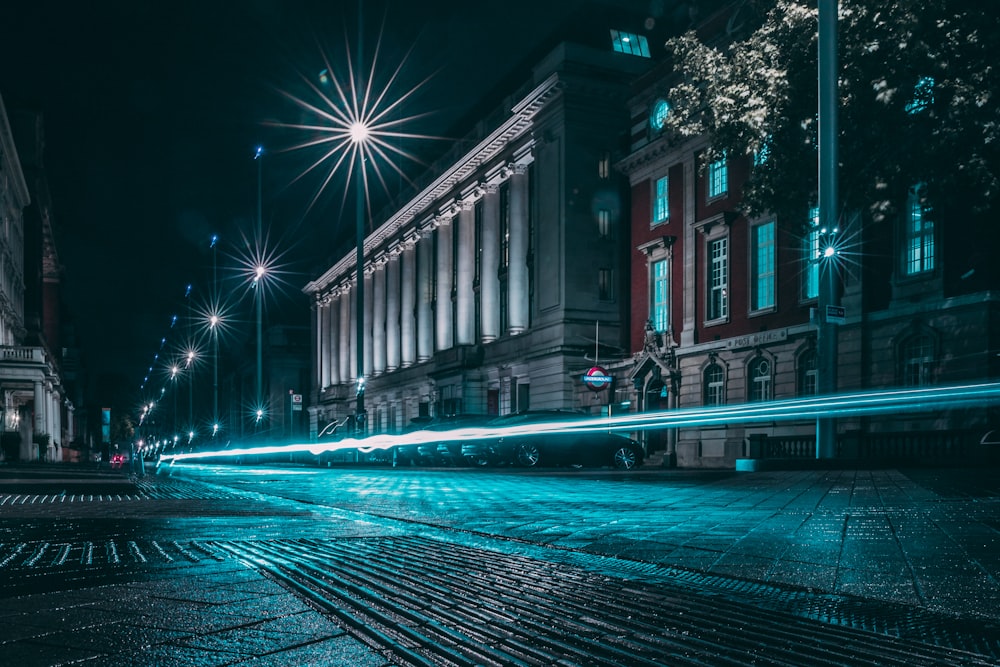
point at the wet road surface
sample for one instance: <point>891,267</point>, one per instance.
<point>219,565</point>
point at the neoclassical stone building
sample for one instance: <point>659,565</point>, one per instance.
<point>36,415</point>
<point>483,292</point>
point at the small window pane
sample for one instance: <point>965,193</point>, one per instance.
<point>715,385</point>
<point>718,178</point>
<point>920,250</point>
<point>661,201</point>
<point>660,300</point>
<point>718,279</point>
<point>760,380</point>
<point>763,257</point>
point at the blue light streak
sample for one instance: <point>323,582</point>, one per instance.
<point>896,401</point>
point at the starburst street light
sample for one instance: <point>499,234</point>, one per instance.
<point>356,125</point>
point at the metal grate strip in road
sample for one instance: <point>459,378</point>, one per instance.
<point>432,601</point>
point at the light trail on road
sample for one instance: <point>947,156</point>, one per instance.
<point>912,400</point>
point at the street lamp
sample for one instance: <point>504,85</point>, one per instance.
<point>213,325</point>
<point>826,427</point>
<point>174,370</point>
<point>259,272</point>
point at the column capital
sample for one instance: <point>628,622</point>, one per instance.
<point>428,226</point>
<point>470,195</point>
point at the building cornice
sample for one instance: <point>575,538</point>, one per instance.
<point>514,128</point>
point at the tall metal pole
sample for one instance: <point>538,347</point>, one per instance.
<point>826,427</point>
<point>258,288</point>
<point>215,331</point>
<point>360,256</point>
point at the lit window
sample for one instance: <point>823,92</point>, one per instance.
<point>715,385</point>
<point>760,380</point>
<point>718,177</point>
<point>918,356</point>
<point>605,285</point>
<point>658,115</point>
<point>629,42</point>
<point>660,313</point>
<point>763,262</point>
<point>919,249</point>
<point>604,223</point>
<point>661,202</point>
<point>763,154</point>
<point>604,166</point>
<point>718,279</point>
<point>923,95</point>
<point>810,257</point>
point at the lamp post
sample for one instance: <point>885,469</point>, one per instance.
<point>826,427</point>
<point>188,367</point>
<point>174,370</point>
<point>213,325</point>
<point>359,133</point>
<point>259,274</point>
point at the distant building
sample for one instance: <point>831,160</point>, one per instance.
<point>37,416</point>
<point>285,380</point>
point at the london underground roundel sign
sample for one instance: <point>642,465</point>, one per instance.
<point>597,378</point>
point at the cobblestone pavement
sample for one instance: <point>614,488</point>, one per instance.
<point>218,566</point>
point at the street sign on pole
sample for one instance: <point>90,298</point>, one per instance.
<point>836,314</point>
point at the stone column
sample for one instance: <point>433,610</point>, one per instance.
<point>465,297</point>
<point>517,272</point>
<point>489,284</point>
<point>316,345</point>
<point>352,365</point>
<point>40,411</point>
<point>378,316</point>
<point>323,341</point>
<point>443,320</point>
<point>331,343</point>
<point>369,311</point>
<point>346,327</point>
<point>408,304</point>
<point>392,310</point>
<point>425,288</point>
<point>57,422</point>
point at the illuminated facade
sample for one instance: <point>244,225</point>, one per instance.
<point>723,309</point>
<point>483,291</point>
<point>37,417</point>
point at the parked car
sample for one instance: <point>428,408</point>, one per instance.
<point>444,452</point>
<point>529,449</point>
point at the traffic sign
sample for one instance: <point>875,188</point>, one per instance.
<point>836,314</point>
<point>597,378</point>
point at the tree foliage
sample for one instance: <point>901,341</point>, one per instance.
<point>918,86</point>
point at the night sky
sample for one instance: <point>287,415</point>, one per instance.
<point>152,113</point>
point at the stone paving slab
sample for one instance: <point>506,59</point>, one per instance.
<point>206,614</point>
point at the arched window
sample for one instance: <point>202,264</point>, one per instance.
<point>759,378</point>
<point>715,385</point>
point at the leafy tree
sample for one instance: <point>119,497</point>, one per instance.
<point>918,85</point>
